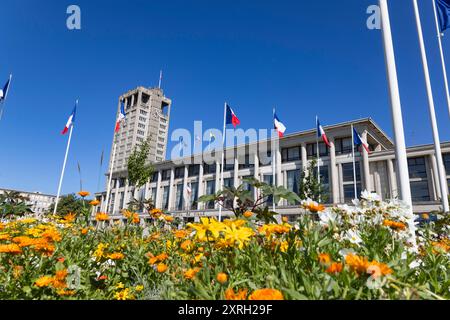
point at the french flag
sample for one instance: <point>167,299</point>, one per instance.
<point>358,141</point>
<point>321,133</point>
<point>278,125</point>
<point>121,117</point>
<point>71,120</point>
<point>231,117</point>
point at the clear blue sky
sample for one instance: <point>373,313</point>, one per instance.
<point>305,57</point>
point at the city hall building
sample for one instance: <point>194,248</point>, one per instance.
<point>148,113</point>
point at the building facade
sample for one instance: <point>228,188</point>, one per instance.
<point>374,172</point>
<point>147,113</point>
<point>39,202</point>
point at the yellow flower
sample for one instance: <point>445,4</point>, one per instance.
<point>94,203</point>
<point>101,216</point>
<point>63,292</point>
<point>10,248</point>
<point>44,281</point>
<point>266,294</point>
<point>123,295</point>
<point>116,256</point>
<point>425,216</point>
<point>248,214</point>
<point>222,277</point>
<point>240,295</point>
<point>100,251</point>
<point>161,267</point>
<point>238,236</point>
<point>207,225</point>
<point>139,288</point>
<point>324,259</point>
<point>83,193</point>
<point>4,236</point>
<point>120,285</point>
<point>167,218</point>
<point>284,245</point>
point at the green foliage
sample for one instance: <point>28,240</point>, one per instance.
<point>12,203</point>
<point>69,203</point>
<point>139,205</point>
<point>310,186</point>
<point>246,202</point>
<point>139,170</point>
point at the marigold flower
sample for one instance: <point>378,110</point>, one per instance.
<point>324,259</point>
<point>180,234</point>
<point>222,277</point>
<point>63,292</point>
<point>136,218</point>
<point>266,294</point>
<point>231,295</point>
<point>70,217</point>
<point>425,216</point>
<point>17,271</point>
<point>155,213</point>
<point>101,216</point>
<point>94,202</point>
<point>84,231</point>
<point>394,225</point>
<point>116,256</point>
<point>123,295</point>
<point>161,267</point>
<point>335,267</point>
<point>168,218</point>
<point>248,214</point>
<point>10,248</point>
<point>44,281</point>
<point>190,274</point>
<point>4,236</point>
<point>186,245</point>
<point>84,194</point>
<point>127,213</point>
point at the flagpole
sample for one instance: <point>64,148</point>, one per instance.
<point>100,172</point>
<point>354,165</point>
<point>64,167</point>
<point>318,157</point>
<point>223,157</point>
<point>444,69</point>
<point>108,187</point>
<point>274,168</point>
<point>396,111</point>
<point>437,143</point>
<point>5,96</point>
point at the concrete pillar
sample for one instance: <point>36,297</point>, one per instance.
<point>304,156</point>
<point>435,178</point>
<point>171,193</point>
<point>334,183</point>
<point>185,181</point>
<point>236,172</point>
<point>256,173</point>
<point>125,193</point>
<point>158,191</point>
<point>366,168</point>
<point>392,179</point>
<point>217,181</point>
<point>200,185</point>
<point>116,198</point>
<point>279,177</point>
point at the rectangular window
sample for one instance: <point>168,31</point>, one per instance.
<point>348,182</point>
<point>420,191</point>
<point>447,162</point>
<point>143,119</point>
<point>193,170</point>
<point>143,112</point>
<point>417,168</point>
<point>179,172</point>
<point>311,150</point>
<point>179,197</point>
<point>209,168</point>
<point>154,177</point>
<point>290,154</point>
<point>193,196</point>
<point>165,202</point>
<point>343,145</point>
<point>228,167</point>
<point>210,189</point>
<point>293,177</point>
<point>141,132</point>
<point>269,180</point>
<point>246,163</point>
<point>165,175</point>
<point>228,183</point>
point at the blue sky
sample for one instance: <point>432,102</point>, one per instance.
<point>305,57</point>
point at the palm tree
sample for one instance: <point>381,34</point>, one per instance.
<point>12,203</point>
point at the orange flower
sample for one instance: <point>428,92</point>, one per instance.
<point>394,225</point>
<point>103,277</point>
<point>222,277</point>
<point>357,263</point>
<point>116,256</point>
<point>425,216</point>
<point>441,246</point>
<point>314,206</point>
<point>156,213</point>
<point>248,214</point>
<point>180,234</point>
<point>335,267</point>
<point>94,202</point>
<point>324,259</point>
<point>161,267</point>
<point>10,248</point>
<point>70,217</point>
<point>101,216</point>
<point>186,245</point>
<point>168,218</point>
<point>61,259</point>
<point>190,274</point>
<point>135,218</point>
<point>83,194</point>
<point>266,294</point>
<point>231,295</point>
<point>127,213</point>
<point>84,230</point>
<point>44,281</point>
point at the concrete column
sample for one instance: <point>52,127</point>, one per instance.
<point>255,173</point>
<point>236,172</point>
<point>435,179</point>
<point>392,179</point>
<point>158,191</point>
<point>172,177</point>
<point>279,177</point>
<point>125,193</point>
<point>334,183</point>
<point>116,198</point>
<point>377,179</point>
<point>341,184</point>
<point>366,168</point>
<point>217,181</point>
<point>200,185</point>
<point>185,181</point>
<point>304,156</point>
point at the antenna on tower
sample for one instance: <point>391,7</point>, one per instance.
<point>160,79</point>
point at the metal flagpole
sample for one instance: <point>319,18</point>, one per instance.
<point>64,166</point>
<point>223,156</point>
<point>160,79</point>
<point>396,111</point>
<point>5,96</point>
<point>318,155</point>
<point>437,143</point>
<point>444,70</point>
<point>274,167</point>
<point>108,187</point>
<point>354,165</point>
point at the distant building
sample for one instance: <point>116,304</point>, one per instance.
<point>375,172</point>
<point>39,202</point>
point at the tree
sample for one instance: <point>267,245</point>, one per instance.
<point>69,203</point>
<point>139,170</point>
<point>310,186</point>
<point>12,203</point>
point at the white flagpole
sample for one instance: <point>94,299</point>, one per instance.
<point>274,167</point>
<point>396,111</point>
<point>318,154</point>
<point>5,96</point>
<point>108,187</point>
<point>354,165</point>
<point>160,79</point>
<point>444,69</point>
<point>64,165</point>
<point>437,143</point>
<point>223,156</point>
